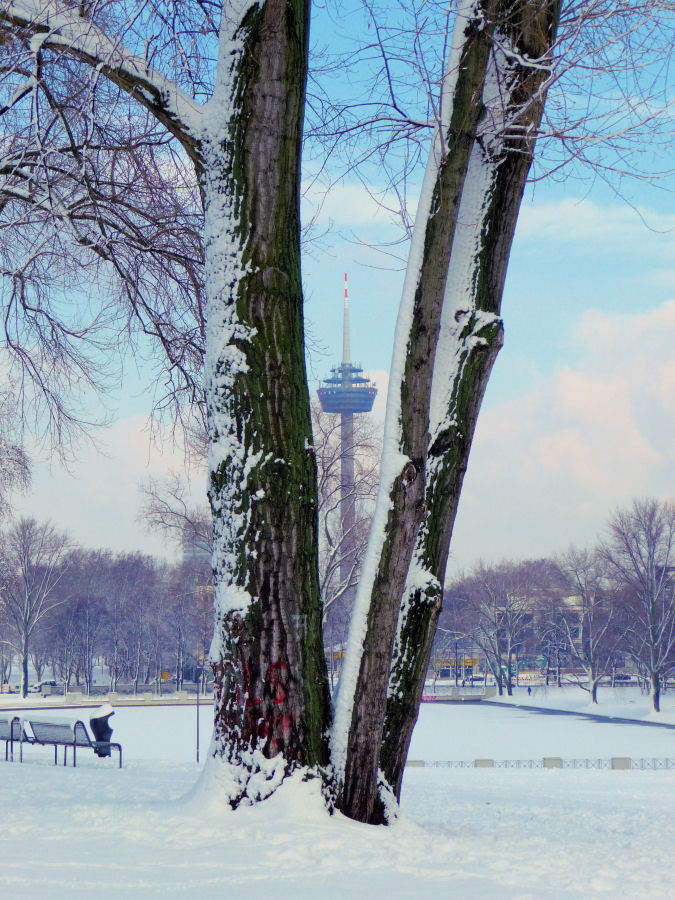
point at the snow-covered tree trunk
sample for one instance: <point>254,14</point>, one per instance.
<point>24,663</point>
<point>448,335</point>
<point>655,687</point>
<point>594,682</point>
<point>272,702</point>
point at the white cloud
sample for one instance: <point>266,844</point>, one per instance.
<point>381,379</point>
<point>636,335</point>
<point>576,220</point>
<point>98,502</point>
<point>349,205</point>
<point>548,467</point>
<point>665,379</point>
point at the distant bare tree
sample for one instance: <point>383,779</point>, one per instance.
<point>640,554</point>
<point>79,624</point>
<point>6,657</point>
<point>63,654</point>
<point>497,613</point>
<point>32,565</point>
<point>168,509</point>
<point>590,620</point>
<point>126,633</point>
<point>142,596</point>
<point>552,637</point>
<point>335,544</point>
<point>14,461</point>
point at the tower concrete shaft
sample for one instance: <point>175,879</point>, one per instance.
<point>347,496</point>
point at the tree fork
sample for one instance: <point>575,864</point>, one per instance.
<point>532,29</point>
<point>440,469</point>
<point>358,797</point>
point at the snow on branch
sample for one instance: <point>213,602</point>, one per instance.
<point>54,26</point>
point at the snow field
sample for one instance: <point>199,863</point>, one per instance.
<point>156,829</point>
<point>460,733</point>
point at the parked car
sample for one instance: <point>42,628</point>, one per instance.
<point>43,687</point>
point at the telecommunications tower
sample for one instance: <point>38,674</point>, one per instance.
<point>347,392</point>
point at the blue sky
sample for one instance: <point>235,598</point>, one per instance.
<point>579,415</point>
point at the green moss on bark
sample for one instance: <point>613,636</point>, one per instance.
<point>284,704</point>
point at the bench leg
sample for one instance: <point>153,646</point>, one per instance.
<point>55,756</point>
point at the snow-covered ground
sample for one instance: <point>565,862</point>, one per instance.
<point>154,829</point>
<point>623,702</point>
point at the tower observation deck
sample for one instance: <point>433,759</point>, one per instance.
<point>347,392</point>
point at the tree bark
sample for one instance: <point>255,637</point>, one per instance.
<point>270,672</point>
<point>531,29</point>
<point>424,497</point>
<point>358,797</point>
<point>594,691</point>
<point>656,691</point>
<point>24,667</point>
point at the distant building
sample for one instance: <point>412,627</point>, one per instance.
<point>195,546</point>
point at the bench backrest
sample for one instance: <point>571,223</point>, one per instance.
<point>47,732</point>
<point>51,732</point>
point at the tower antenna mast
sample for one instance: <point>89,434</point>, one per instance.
<point>346,354</point>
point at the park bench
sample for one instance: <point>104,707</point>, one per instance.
<point>62,733</point>
<point>10,732</point>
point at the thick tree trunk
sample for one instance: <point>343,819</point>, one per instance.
<point>530,28</point>
<point>358,797</point>
<point>270,673</point>
<point>594,691</point>
<point>24,668</point>
<point>461,321</point>
<point>347,502</point>
<point>656,691</point>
